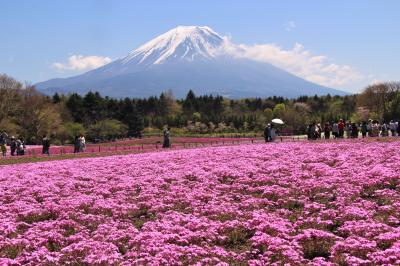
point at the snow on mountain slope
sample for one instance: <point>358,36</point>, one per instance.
<point>182,43</point>
<point>187,57</point>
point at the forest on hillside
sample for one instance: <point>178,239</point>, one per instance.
<point>26,112</point>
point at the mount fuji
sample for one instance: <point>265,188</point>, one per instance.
<point>187,57</point>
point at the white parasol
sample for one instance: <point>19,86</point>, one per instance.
<point>277,121</point>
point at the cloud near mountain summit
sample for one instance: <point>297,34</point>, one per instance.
<point>298,61</point>
<point>82,63</point>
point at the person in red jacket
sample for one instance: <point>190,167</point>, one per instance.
<point>341,128</point>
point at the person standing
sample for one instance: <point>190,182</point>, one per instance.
<point>364,129</point>
<point>46,145</point>
<point>327,130</point>
<point>335,130</point>
<point>369,128</point>
<point>309,132</point>
<point>348,128</point>
<point>82,143</point>
<point>341,126</point>
<point>375,129</point>
<point>384,130</point>
<point>267,131</point>
<point>312,131</point>
<point>166,142</point>
<point>272,133</point>
<point>398,128</point>
<point>20,146</point>
<point>76,144</point>
<point>13,145</point>
<point>354,130</point>
<point>3,143</point>
<point>393,128</point>
<point>318,131</point>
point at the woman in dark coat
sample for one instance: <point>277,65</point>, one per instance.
<point>166,143</point>
<point>327,130</point>
<point>354,130</point>
<point>364,129</point>
<point>267,133</point>
<point>13,146</point>
<point>77,144</point>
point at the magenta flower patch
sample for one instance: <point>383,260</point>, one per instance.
<point>333,203</point>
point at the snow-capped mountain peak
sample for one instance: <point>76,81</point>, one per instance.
<point>187,57</point>
<point>181,43</point>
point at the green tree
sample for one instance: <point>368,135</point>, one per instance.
<point>107,129</point>
<point>378,97</point>
<point>38,116</point>
<point>10,99</point>
<point>75,106</point>
<point>297,117</point>
<point>56,98</point>
<point>167,104</point>
<point>131,117</point>
<point>70,130</point>
<point>279,110</point>
<point>94,108</point>
<point>268,114</point>
<point>196,117</point>
<point>189,104</point>
<point>12,129</point>
<point>394,108</point>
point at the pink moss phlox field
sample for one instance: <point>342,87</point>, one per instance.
<point>333,203</point>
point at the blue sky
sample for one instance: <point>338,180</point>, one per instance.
<point>343,44</point>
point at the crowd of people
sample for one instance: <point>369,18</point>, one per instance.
<point>17,145</point>
<point>342,129</point>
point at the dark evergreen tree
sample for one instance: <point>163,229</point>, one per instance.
<point>189,104</point>
<point>130,116</point>
<point>95,109</point>
<point>56,98</point>
<point>75,106</point>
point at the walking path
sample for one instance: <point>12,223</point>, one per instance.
<point>33,153</point>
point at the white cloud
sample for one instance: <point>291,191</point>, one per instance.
<point>300,62</point>
<point>290,25</point>
<point>80,62</point>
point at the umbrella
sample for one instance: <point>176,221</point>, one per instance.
<point>277,121</point>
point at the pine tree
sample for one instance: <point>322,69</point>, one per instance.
<point>75,106</point>
<point>56,98</point>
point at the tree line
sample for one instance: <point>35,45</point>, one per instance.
<point>26,112</point>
